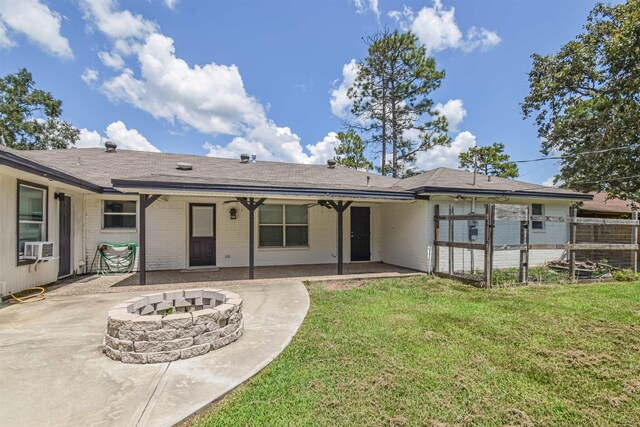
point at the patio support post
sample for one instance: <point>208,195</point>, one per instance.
<point>145,201</point>
<point>573,213</point>
<point>634,240</point>
<point>251,204</point>
<point>436,238</point>
<point>340,207</point>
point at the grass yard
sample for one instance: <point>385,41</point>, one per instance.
<point>429,351</point>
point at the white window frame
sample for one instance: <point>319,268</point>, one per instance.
<point>104,212</point>
<point>43,224</point>
<point>542,223</point>
<point>284,226</point>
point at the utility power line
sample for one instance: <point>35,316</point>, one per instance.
<point>605,150</point>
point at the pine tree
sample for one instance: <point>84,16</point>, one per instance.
<point>391,100</point>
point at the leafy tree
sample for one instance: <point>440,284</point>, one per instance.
<point>585,100</point>
<point>490,160</point>
<point>391,99</point>
<point>350,151</point>
<point>29,117</point>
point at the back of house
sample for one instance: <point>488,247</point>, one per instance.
<point>58,208</point>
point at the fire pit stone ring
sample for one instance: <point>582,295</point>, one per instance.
<point>167,326</point>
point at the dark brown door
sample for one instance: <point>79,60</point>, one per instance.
<point>64,238</point>
<point>360,234</point>
<point>202,234</point>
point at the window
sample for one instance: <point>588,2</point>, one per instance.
<point>283,226</point>
<point>537,209</point>
<point>119,214</point>
<point>32,215</point>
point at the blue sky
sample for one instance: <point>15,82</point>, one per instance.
<point>269,77</point>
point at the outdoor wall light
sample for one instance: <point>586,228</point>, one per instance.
<point>233,213</point>
<point>58,196</point>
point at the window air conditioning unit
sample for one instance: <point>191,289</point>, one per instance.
<point>39,251</point>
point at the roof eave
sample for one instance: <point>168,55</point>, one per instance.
<point>124,184</point>
<point>20,163</point>
<point>503,193</point>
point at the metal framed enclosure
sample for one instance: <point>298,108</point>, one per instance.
<point>495,214</point>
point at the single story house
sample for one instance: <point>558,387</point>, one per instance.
<point>187,211</point>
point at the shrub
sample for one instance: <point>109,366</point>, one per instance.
<point>625,276</point>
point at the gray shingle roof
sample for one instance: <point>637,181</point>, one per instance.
<point>96,166</point>
<point>462,181</point>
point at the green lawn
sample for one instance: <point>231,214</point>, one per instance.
<point>428,351</point>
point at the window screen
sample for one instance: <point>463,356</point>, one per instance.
<point>537,209</point>
<point>32,202</point>
<point>119,214</point>
<point>283,226</point>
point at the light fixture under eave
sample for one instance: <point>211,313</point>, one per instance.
<point>233,213</point>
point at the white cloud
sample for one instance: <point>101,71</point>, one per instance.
<point>480,38</point>
<point>116,24</point>
<point>37,22</point>
<point>263,142</point>
<point>437,29</point>
<point>127,139</point>
<point>549,182</point>
<point>340,102</point>
<point>454,111</point>
<point>210,98</point>
<point>442,156</point>
<point>325,149</point>
<point>5,41</point>
<point>112,60</point>
<point>364,6</point>
<point>89,75</point>
<point>88,139</point>
<point>171,4</point>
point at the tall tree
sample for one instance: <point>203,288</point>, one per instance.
<point>490,160</point>
<point>391,99</point>
<point>586,102</point>
<point>351,151</point>
<point>29,117</point>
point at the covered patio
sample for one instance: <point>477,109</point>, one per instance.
<point>168,279</point>
<point>232,226</point>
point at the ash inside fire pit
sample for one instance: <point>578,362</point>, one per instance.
<point>168,326</point>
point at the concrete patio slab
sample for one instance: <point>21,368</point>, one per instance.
<point>52,371</point>
<point>197,278</point>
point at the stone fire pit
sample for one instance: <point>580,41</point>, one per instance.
<point>168,326</point>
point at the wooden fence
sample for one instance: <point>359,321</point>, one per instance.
<point>519,213</point>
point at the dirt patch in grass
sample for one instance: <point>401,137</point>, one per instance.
<point>340,285</point>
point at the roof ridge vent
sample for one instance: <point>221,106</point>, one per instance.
<point>184,166</point>
<point>244,158</point>
<point>110,146</point>
<point>331,163</point>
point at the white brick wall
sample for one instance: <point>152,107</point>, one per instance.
<point>13,277</point>
<point>406,234</point>
<point>505,232</point>
<point>167,234</point>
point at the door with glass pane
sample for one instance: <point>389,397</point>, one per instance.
<point>202,235</point>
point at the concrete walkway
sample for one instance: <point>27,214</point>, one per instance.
<point>52,371</point>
